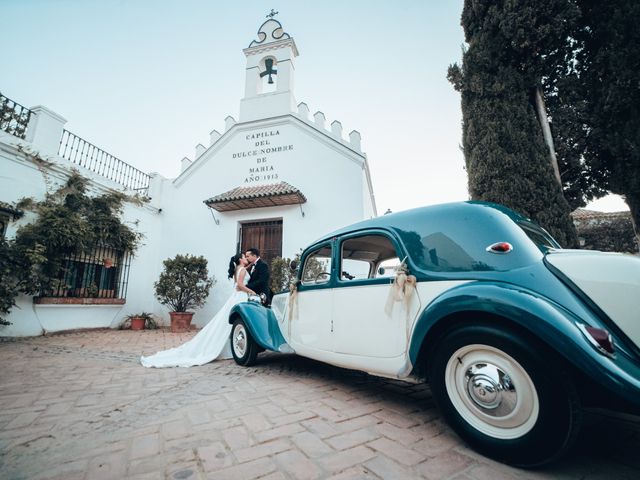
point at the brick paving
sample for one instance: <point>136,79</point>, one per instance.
<point>79,406</point>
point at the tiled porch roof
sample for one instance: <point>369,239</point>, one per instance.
<point>241,198</point>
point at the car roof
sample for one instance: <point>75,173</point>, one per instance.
<point>454,211</point>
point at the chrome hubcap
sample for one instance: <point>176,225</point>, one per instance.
<point>491,389</point>
<point>239,340</point>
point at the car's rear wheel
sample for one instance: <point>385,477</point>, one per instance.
<point>505,394</point>
<point>243,347</point>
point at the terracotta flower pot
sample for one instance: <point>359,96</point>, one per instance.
<point>137,323</point>
<point>180,321</point>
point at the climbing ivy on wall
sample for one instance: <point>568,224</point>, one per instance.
<point>66,222</point>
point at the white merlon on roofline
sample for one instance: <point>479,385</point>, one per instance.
<point>319,122</point>
<point>185,163</point>
<point>355,139</point>
<point>320,119</point>
<point>303,111</point>
<point>336,129</point>
<point>214,136</point>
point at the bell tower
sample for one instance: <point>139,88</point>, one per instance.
<point>268,88</point>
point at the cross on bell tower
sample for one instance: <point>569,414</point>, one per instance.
<point>268,63</point>
<point>270,55</point>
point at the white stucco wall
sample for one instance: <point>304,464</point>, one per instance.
<point>323,169</point>
<point>329,173</point>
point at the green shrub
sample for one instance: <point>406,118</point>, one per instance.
<point>185,283</point>
<point>149,321</point>
<point>281,274</point>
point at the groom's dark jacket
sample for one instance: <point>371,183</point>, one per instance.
<point>259,281</point>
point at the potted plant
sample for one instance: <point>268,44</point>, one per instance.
<point>184,284</point>
<point>140,321</point>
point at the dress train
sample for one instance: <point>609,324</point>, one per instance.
<point>210,343</point>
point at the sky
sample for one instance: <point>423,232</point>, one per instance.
<point>147,80</point>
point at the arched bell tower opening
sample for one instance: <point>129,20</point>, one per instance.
<point>269,70</point>
<point>269,74</point>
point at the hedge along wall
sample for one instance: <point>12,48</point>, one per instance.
<point>607,232</point>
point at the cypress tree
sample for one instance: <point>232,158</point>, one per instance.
<point>566,100</point>
<point>607,65</point>
<point>510,44</point>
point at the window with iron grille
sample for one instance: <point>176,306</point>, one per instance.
<point>100,273</point>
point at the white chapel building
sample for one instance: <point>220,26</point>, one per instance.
<point>276,179</point>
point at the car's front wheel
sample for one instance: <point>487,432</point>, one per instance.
<point>504,394</point>
<point>243,347</point>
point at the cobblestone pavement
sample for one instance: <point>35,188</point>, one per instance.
<point>79,406</point>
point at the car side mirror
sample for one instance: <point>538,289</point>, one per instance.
<point>293,265</point>
<point>381,271</point>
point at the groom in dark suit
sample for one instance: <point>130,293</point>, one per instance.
<point>259,271</point>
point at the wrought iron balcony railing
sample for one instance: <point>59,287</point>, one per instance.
<point>14,118</point>
<point>87,155</point>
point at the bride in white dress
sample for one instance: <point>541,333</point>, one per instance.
<point>212,342</point>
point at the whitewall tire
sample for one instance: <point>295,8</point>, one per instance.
<point>505,393</point>
<point>243,347</point>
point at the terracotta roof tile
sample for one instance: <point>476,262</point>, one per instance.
<point>271,195</point>
<point>583,214</point>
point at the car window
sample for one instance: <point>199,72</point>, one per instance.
<point>317,267</point>
<point>369,256</point>
<point>387,268</point>
<point>355,269</point>
<point>540,237</point>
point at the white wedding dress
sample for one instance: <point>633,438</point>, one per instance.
<point>210,343</point>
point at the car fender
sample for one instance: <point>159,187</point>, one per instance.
<point>262,325</point>
<point>546,320</point>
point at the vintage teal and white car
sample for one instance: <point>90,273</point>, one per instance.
<point>514,334</point>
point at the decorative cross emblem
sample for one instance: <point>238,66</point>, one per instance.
<point>271,15</point>
<point>268,63</point>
